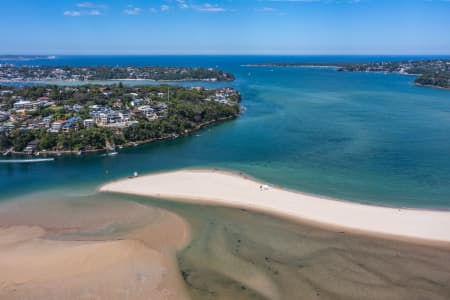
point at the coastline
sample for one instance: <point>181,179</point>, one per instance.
<point>129,144</point>
<point>338,68</point>
<point>224,188</point>
<point>95,81</point>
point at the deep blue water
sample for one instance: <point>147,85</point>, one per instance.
<point>365,137</point>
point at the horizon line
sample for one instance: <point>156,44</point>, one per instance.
<point>225,54</point>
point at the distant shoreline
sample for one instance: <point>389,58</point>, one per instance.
<point>109,80</point>
<point>428,73</point>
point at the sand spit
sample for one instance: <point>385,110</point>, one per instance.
<point>214,187</point>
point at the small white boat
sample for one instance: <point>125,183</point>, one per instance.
<point>135,174</point>
<point>110,154</point>
<point>22,161</point>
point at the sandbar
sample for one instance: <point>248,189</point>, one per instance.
<point>223,188</point>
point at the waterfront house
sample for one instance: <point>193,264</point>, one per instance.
<point>31,147</point>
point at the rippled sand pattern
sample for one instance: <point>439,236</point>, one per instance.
<point>105,247</point>
<point>243,255</point>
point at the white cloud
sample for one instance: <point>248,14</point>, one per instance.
<point>86,9</point>
<point>266,9</point>
<point>182,4</point>
<point>94,12</point>
<point>72,13</point>
<point>90,5</point>
<point>131,10</point>
<point>164,7</point>
<point>79,13</point>
<point>207,7</point>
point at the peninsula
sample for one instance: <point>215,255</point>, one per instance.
<point>221,188</point>
<point>433,73</point>
<point>12,73</point>
<point>68,119</point>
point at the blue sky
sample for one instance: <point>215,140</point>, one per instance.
<point>225,27</point>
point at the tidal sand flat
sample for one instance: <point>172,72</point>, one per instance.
<point>236,253</point>
<point>94,248</point>
<point>223,188</point>
<point>240,254</point>
<point>115,246</point>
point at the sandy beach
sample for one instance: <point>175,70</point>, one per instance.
<point>213,187</point>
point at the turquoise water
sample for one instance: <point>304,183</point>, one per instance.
<point>372,138</point>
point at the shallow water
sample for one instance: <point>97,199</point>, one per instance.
<point>238,254</point>
<point>358,136</point>
<point>364,137</point>
<point>232,254</point>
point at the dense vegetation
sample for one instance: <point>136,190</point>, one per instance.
<point>187,110</point>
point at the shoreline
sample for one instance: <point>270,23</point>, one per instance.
<point>96,81</point>
<point>128,144</point>
<point>232,189</point>
<point>337,69</point>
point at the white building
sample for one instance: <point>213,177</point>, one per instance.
<point>56,126</point>
<point>88,123</point>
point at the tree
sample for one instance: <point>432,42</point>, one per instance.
<point>4,141</point>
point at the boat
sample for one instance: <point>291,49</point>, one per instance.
<point>21,161</point>
<point>135,174</point>
<point>109,154</point>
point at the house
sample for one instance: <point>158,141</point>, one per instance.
<point>4,116</point>
<point>135,102</point>
<point>77,107</point>
<point>160,106</point>
<point>30,105</point>
<point>47,121</point>
<point>88,123</point>
<point>105,118</point>
<point>56,126</point>
<point>23,105</point>
<point>6,92</point>
<point>71,123</point>
<point>31,147</point>
<point>148,112</point>
<point>9,126</point>
<point>114,117</point>
<point>124,115</point>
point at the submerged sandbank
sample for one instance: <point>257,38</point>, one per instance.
<point>92,248</point>
<point>214,187</point>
